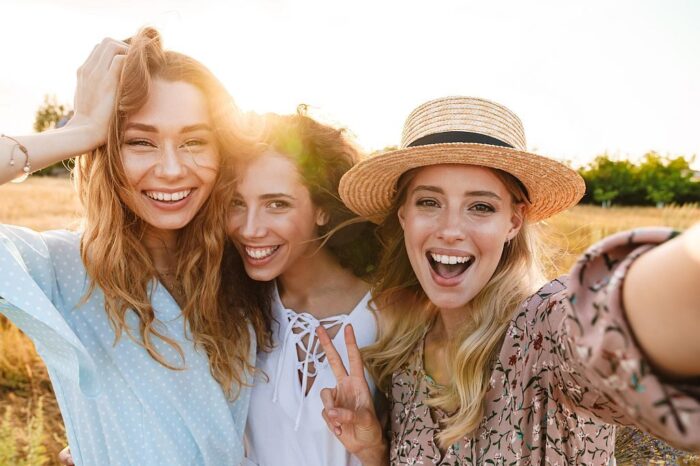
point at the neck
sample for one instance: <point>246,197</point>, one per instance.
<point>450,321</point>
<point>311,279</point>
<point>161,247</point>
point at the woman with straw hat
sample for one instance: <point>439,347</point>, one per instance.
<point>481,362</point>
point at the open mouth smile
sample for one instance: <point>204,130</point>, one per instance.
<point>260,254</point>
<point>449,267</point>
<point>169,198</point>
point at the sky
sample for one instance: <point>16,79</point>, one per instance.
<point>586,78</point>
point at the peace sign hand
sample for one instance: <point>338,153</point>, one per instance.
<point>348,408</point>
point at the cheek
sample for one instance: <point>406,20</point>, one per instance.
<point>233,223</point>
<point>207,175</point>
<point>417,230</point>
<point>135,167</point>
<point>490,234</point>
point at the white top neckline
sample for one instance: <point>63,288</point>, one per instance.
<point>306,324</point>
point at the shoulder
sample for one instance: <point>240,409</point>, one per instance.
<point>541,303</point>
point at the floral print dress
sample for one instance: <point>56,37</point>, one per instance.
<point>568,371</point>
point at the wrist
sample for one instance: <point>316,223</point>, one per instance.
<point>85,130</point>
<point>375,456</point>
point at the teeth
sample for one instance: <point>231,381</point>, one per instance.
<point>260,253</point>
<point>168,197</point>
<point>443,259</point>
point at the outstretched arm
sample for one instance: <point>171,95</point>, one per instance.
<point>348,409</point>
<point>94,104</point>
<point>661,297</point>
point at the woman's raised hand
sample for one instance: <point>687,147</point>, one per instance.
<point>95,96</point>
<point>96,90</point>
<point>348,409</point>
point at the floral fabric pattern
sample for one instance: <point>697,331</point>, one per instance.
<point>569,370</point>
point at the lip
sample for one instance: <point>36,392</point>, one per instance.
<point>448,252</point>
<point>169,206</point>
<point>259,262</point>
<point>442,281</point>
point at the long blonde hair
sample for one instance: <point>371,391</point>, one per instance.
<point>406,313</point>
<point>112,247</point>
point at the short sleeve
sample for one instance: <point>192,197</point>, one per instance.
<point>28,292</point>
<point>596,362</point>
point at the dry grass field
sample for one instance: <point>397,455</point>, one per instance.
<point>31,432</point>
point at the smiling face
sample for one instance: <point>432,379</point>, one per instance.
<point>456,220</point>
<point>170,155</point>
<point>273,222</point>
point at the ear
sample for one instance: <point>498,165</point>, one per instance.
<point>402,219</point>
<point>322,217</point>
<point>516,220</point>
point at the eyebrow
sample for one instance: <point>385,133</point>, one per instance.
<point>268,196</point>
<point>276,195</point>
<point>438,190</point>
<point>153,129</point>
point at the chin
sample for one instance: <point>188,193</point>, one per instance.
<point>448,302</point>
<point>260,275</point>
<point>169,225</point>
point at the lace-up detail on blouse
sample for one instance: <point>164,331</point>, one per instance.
<point>301,330</point>
<point>292,376</point>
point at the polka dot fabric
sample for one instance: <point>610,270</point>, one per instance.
<point>119,405</point>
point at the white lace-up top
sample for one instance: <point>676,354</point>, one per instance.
<point>285,426</point>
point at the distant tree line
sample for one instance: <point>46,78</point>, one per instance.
<point>657,180</point>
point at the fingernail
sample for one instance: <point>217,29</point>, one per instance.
<point>337,431</point>
<point>332,412</point>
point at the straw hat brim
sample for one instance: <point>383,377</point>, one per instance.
<point>368,188</point>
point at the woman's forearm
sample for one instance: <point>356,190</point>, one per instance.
<point>44,149</point>
<point>662,299</point>
<point>95,93</point>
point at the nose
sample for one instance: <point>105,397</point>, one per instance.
<point>451,228</point>
<point>170,165</point>
<point>252,226</point>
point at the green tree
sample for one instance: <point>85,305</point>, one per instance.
<point>609,180</point>
<point>657,180</point>
<point>51,115</point>
<point>665,179</point>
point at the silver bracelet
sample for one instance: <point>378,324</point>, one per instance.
<point>27,165</point>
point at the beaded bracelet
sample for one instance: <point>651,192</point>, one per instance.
<point>27,165</point>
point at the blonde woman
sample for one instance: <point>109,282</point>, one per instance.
<point>482,363</point>
<point>148,361</point>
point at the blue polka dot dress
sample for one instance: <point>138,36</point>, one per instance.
<point>119,405</point>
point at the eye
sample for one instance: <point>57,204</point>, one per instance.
<point>427,202</point>
<point>482,208</point>
<point>238,204</point>
<point>278,204</point>
<point>139,142</point>
<point>193,143</point>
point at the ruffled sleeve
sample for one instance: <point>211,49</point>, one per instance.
<point>28,293</point>
<point>595,362</point>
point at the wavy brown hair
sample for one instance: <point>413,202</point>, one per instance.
<point>322,155</point>
<point>406,313</point>
<point>112,247</point>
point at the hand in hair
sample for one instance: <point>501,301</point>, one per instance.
<point>348,408</point>
<point>96,91</point>
<point>95,96</point>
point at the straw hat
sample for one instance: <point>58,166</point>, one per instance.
<point>462,130</point>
